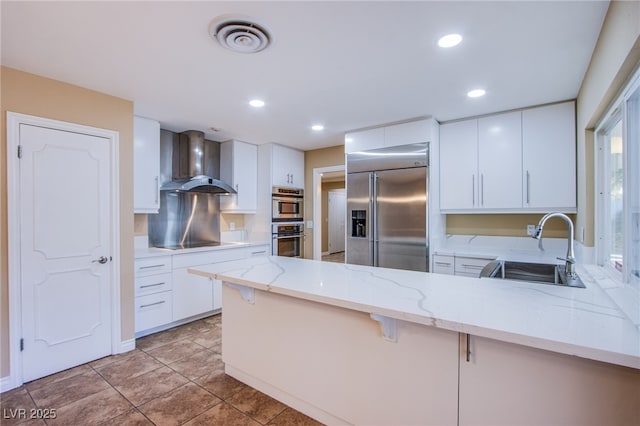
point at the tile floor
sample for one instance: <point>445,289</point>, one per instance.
<point>334,257</point>
<point>175,377</point>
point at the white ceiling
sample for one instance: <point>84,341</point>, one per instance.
<point>347,65</point>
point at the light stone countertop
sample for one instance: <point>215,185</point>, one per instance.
<point>574,321</point>
<point>142,252</point>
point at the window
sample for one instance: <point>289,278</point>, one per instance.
<point>618,187</point>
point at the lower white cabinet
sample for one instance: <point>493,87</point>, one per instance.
<point>195,295</point>
<point>153,310</point>
<point>192,295</point>
<point>443,264</point>
<point>168,295</point>
<point>471,266</point>
<point>467,266</point>
<point>153,290</point>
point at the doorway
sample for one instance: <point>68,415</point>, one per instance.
<point>63,239</point>
<point>326,180</point>
<point>336,213</point>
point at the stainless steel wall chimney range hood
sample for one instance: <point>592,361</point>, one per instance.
<point>195,163</point>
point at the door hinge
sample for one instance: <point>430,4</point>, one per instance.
<point>21,345</point>
<point>19,151</point>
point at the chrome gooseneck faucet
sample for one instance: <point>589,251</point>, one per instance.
<point>570,259</point>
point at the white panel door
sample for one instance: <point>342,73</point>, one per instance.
<point>336,221</point>
<point>459,165</point>
<point>500,161</point>
<point>65,230</point>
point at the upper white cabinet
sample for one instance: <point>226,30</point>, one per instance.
<point>287,167</point>
<point>459,165</point>
<point>522,161</point>
<point>239,168</point>
<point>364,140</point>
<point>146,165</point>
<point>549,157</point>
<point>394,135</point>
<point>500,161</point>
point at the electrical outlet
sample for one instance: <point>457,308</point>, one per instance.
<point>232,226</point>
<point>531,230</point>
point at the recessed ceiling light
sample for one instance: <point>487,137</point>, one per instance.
<point>317,127</point>
<point>450,40</point>
<point>256,103</point>
<point>476,93</point>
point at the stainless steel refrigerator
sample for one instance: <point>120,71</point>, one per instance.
<point>387,207</point>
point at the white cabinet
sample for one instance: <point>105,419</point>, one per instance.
<point>521,161</point>
<point>470,266</point>
<point>364,140</point>
<point>500,161</point>
<point>146,165</point>
<point>549,157</point>
<point>287,167</point>
<point>443,264</point>
<point>459,165</point>
<point>239,168</point>
<point>153,291</point>
<point>467,266</point>
<point>167,295</point>
<point>398,134</point>
<point>194,295</point>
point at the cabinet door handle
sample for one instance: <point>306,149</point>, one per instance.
<point>468,354</point>
<point>482,189</point>
<point>157,189</point>
<point>253,253</point>
<point>472,266</point>
<point>151,285</point>
<point>152,266</point>
<point>153,304</point>
<point>528,186</point>
<point>473,190</point>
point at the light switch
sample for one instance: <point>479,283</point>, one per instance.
<point>309,224</point>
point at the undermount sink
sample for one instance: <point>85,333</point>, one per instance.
<point>545,273</point>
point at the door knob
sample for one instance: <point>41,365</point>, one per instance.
<point>102,260</point>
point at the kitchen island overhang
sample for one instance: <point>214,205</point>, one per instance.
<point>295,328</point>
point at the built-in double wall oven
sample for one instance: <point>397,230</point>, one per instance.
<point>288,239</point>
<point>287,227</point>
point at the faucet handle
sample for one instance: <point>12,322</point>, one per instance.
<point>567,259</point>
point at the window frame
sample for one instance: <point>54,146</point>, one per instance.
<point>618,111</point>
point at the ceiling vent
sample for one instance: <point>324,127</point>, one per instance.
<point>240,35</point>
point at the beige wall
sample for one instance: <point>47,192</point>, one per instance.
<point>317,158</point>
<point>503,225</point>
<point>615,57</point>
<point>30,94</point>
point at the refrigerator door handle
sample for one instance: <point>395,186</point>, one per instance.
<point>373,199</point>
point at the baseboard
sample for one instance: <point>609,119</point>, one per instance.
<point>126,346</point>
<point>7,384</point>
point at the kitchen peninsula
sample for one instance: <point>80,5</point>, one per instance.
<point>350,344</point>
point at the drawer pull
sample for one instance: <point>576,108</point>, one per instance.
<point>472,266</point>
<point>443,264</point>
<point>153,304</point>
<point>257,252</point>
<point>152,266</point>
<point>151,285</point>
